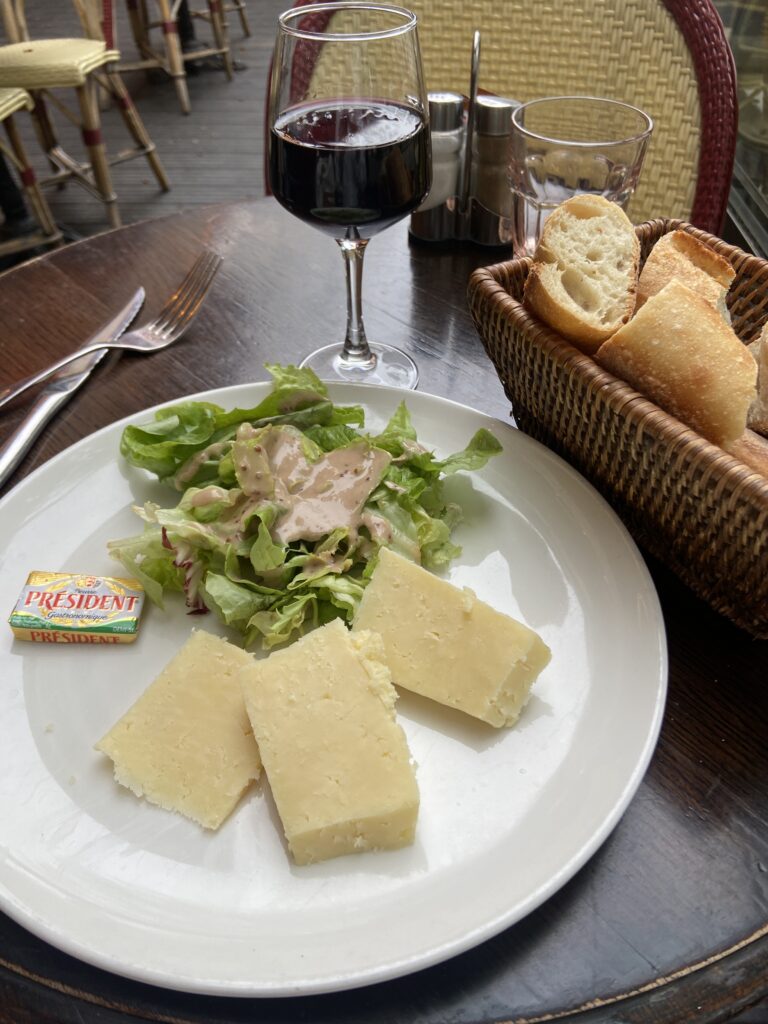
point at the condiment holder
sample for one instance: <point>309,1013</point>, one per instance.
<point>470,198</point>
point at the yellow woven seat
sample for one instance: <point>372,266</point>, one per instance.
<point>85,65</point>
<point>52,63</point>
<point>11,102</point>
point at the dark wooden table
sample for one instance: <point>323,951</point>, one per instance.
<point>668,922</point>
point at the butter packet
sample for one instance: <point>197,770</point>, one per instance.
<point>72,608</point>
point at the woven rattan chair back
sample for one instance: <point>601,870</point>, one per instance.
<point>670,57</point>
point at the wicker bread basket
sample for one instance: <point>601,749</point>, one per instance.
<point>698,510</point>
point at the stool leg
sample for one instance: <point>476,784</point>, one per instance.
<point>45,132</point>
<point>31,189</point>
<point>138,25</point>
<point>240,5</point>
<point>220,34</point>
<point>91,129</point>
<point>174,54</point>
<point>136,127</point>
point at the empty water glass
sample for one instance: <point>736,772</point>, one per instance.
<point>564,145</point>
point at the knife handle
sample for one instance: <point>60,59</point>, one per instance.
<point>8,394</point>
<point>21,440</point>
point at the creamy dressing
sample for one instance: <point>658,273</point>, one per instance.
<point>333,493</point>
<point>410,448</point>
<point>208,496</point>
<point>193,464</point>
<point>313,498</point>
<point>325,561</point>
<point>378,526</point>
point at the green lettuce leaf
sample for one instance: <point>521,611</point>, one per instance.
<point>218,543</point>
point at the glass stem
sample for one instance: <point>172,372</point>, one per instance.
<point>356,349</point>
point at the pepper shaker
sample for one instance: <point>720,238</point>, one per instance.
<point>490,211</point>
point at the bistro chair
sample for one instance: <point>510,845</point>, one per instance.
<point>169,56</point>
<point>44,65</point>
<point>233,7</point>
<point>669,57</point>
<point>11,102</point>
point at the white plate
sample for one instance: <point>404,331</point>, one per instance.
<point>506,817</point>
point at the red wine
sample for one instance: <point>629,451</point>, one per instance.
<point>350,169</point>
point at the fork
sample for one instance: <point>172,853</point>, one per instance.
<point>168,326</point>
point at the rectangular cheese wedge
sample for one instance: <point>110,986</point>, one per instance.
<point>444,643</point>
<point>323,714</point>
<point>186,744</point>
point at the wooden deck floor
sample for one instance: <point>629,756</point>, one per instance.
<point>213,154</point>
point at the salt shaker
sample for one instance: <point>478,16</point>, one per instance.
<point>434,219</point>
<point>490,195</point>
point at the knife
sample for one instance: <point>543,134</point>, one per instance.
<point>61,388</point>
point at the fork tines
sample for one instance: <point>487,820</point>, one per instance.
<point>185,301</point>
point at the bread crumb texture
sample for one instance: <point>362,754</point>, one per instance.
<point>584,275</point>
<point>757,418</point>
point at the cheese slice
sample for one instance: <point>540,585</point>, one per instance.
<point>186,744</point>
<point>446,644</point>
<point>338,764</point>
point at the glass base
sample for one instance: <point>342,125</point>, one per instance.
<point>387,365</point>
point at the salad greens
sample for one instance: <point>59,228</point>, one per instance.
<point>284,506</point>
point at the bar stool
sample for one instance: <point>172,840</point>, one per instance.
<point>12,101</point>
<point>172,59</point>
<point>234,6</point>
<point>42,65</point>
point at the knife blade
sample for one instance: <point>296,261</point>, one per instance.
<point>60,389</point>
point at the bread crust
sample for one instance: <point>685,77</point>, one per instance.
<point>679,352</point>
<point>752,450</point>
<point>679,255</point>
<point>757,417</point>
<point>546,292</point>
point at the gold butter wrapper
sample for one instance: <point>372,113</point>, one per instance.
<point>73,608</point>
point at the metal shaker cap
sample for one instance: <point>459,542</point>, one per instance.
<point>446,111</point>
<point>493,115</point>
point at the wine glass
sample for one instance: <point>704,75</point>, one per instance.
<point>349,149</point>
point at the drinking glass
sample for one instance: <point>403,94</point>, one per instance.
<point>349,149</point>
<point>564,145</point>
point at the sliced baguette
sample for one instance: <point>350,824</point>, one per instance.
<point>678,254</point>
<point>584,275</point>
<point>679,352</point>
<point>752,450</point>
<point>757,418</point>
